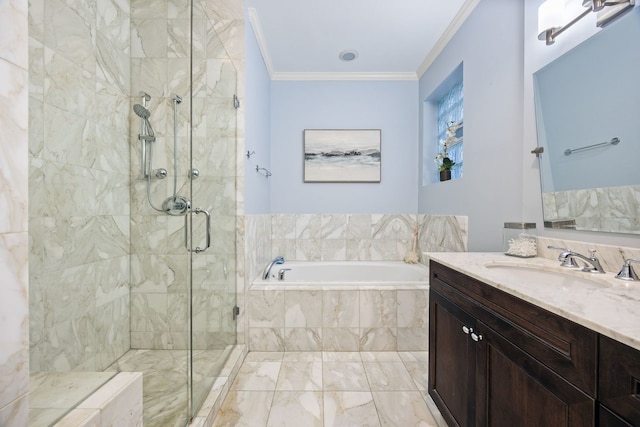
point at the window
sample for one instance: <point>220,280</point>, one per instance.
<point>450,113</point>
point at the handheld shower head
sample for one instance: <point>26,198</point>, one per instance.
<point>144,114</point>
<point>141,111</point>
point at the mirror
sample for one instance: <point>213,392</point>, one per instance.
<point>587,105</point>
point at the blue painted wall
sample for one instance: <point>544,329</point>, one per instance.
<point>258,127</point>
<point>391,106</point>
<point>492,58</point>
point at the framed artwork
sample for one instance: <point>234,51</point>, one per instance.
<point>342,155</point>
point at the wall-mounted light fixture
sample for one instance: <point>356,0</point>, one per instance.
<point>551,15</point>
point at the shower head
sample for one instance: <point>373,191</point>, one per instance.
<point>141,111</point>
<point>144,114</point>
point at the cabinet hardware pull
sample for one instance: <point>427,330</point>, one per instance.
<point>476,337</point>
<point>467,330</point>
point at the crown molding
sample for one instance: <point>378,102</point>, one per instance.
<point>310,76</point>
<point>260,39</point>
<point>448,34</point>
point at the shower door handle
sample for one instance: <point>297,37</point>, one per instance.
<point>208,229</point>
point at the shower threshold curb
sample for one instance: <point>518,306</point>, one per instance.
<point>220,389</point>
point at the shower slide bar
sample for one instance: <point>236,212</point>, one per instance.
<point>186,233</point>
<point>614,141</point>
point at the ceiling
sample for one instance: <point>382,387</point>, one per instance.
<point>301,39</point>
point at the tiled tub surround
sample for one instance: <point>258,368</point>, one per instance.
<point>338,237</point>
<point>610,309</point>
<point>608,208</point>
<point>363,237</point>
<point>335,314</point>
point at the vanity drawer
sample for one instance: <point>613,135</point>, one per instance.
<point>560,344</point>
<point>619,379</point>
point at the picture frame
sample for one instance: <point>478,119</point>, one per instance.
<point>342,155</point>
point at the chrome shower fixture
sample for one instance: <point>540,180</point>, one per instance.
<point>146,131</point>
<point>176,205</point>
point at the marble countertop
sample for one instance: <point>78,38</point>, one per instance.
<point>599,302</point>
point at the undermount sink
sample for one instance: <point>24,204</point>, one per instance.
<point>539,275</point>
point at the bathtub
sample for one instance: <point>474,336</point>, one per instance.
<point>318,275</point>
<point>340,306</point>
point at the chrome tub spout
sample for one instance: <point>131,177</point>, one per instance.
<point>276,261</point>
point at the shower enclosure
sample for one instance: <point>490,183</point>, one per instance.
<point>132,198</point>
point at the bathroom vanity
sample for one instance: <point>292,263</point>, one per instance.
<point>506,349</point>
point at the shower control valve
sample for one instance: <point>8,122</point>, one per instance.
<point>160,173</point>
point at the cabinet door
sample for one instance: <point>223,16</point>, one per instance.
<point>619,379</point>
<point>451,361</point>
<point>606,418</point>
<point>514,389</point>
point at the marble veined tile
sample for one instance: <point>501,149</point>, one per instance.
<point>419,372</point>
<point>349,408</point>
<point>69,33</point>
<point>113,21</point>
<point>295,408</point>
<point>301,376</point>
<point>16,413</point>
<point>341,356</point>
<point>245,409</point>
<point>14,167</point>
<point>257,376</point>
<point>13,42</point>
<point>302,356</point>
<point>345,376</point>
<point>402,408</point>
<point>388,376</point>
<point>14,306</point>
<point>380,356</point>
<point>264,356</point>
<point>64,389</point>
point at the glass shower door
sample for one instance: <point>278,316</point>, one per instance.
<point>213,175</point>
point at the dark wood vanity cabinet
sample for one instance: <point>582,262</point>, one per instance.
<point>618,384</point>
<point>496,360</point>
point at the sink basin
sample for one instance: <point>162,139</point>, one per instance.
<point>540,276</point>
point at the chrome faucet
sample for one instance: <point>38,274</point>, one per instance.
<point>277,260</point>
<point>568,260</point>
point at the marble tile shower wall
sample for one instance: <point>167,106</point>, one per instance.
<point>78,183</point>
<point>350,237</point>
<point>160,61</point>
<point>609,208</point>
<point>14,170</point>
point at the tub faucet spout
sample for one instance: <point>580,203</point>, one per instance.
<point>276,261</point>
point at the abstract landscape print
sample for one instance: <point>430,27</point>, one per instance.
<point>342,155</point>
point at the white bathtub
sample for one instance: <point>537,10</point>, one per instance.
<point>342,275</point>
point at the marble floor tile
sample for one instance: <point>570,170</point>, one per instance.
<point>388,376</point>
<point>350,408</point>
<point>264,356</point>
<point>303,376</point>
<point>257,376</point>
<point>245,409</point>
<point>296,408</point>
<point>302,356</point>
<point>341,356</point>
<point>380,356</point>
<point>345,376</point>
<point>402,408</point>
<point>332,389</point>
<point>414,356</point>
<point>419,372</point>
